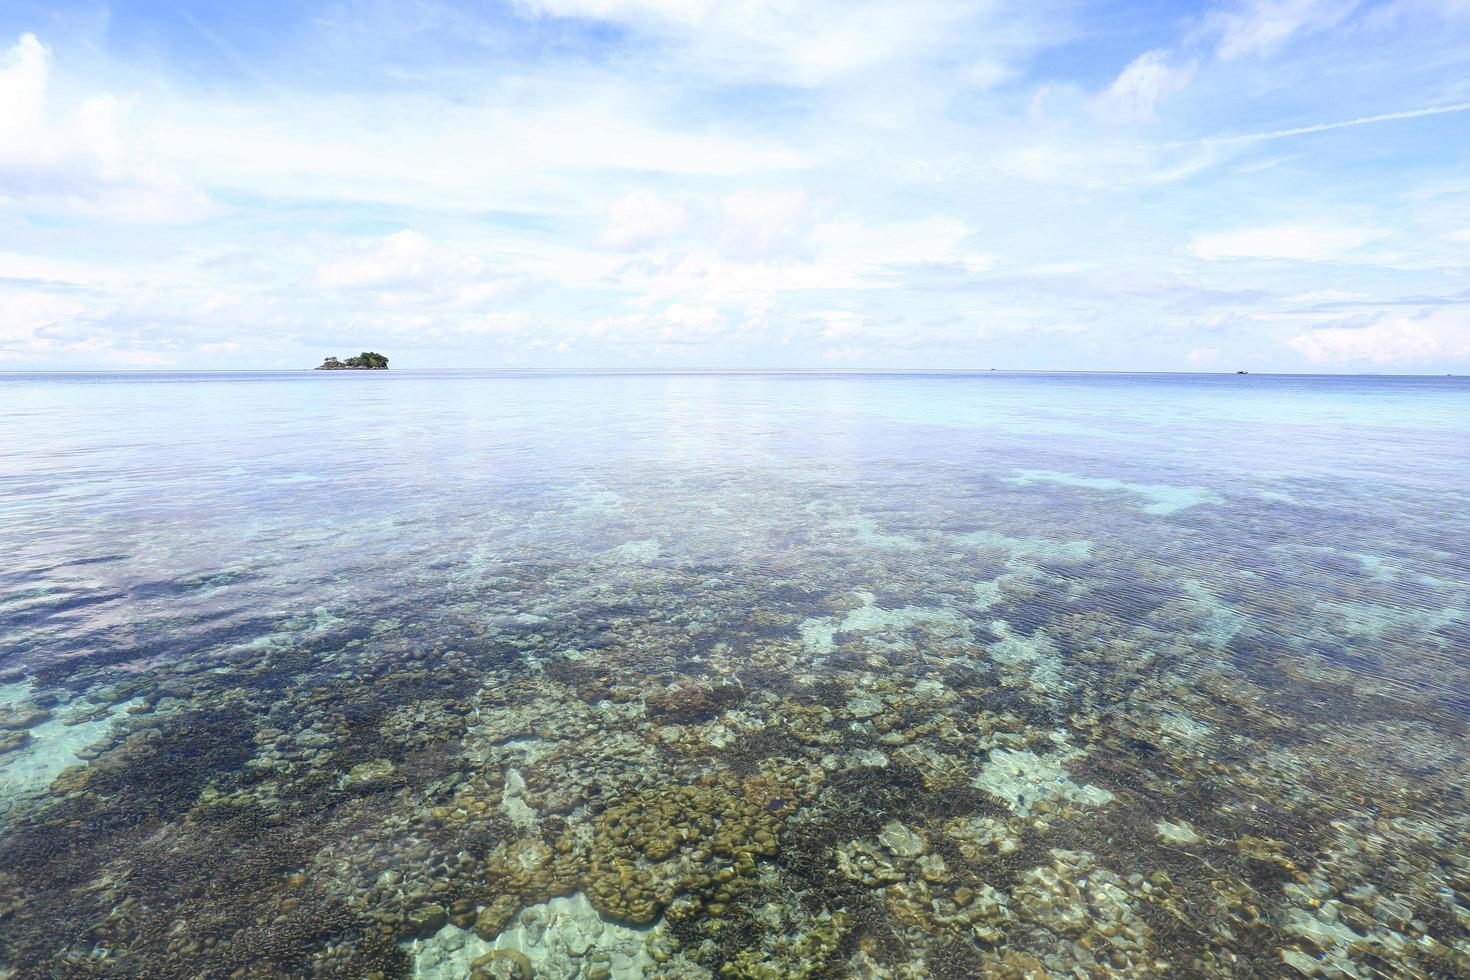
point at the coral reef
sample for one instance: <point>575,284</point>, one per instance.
<point>809,726</point>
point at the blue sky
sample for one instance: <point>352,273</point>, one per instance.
<point>1277,185</point>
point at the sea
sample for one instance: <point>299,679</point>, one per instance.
<point>734,674</point>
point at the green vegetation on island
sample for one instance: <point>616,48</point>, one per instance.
<point>366,361</point>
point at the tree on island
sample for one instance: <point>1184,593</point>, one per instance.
<point>366,361</point>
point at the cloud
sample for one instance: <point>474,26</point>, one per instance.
<point>1262,27</point>
<point>1430,337</point>
<point>502,324</point>
<point>393,261</point>
<point>745,225</point>
<point>1135,94</point>
<point>1321,297</point>
<point>549,143</point>
<point>1275,134</point>
<point>407,269</point>
<point>807,44</point>
<point>677,324</point>
<point>837,325</point>
<point>833,255</point>
<point>686,323</point>
<point>876,250</point>
<point>24,71</point>
<point>101,349</point>
<point>1399,10</point>
<point>686,12</point>
<point>1201,356</point>
<point>599,182</point>
<point>1303,242</point>
<point>25,314</point>
<point>640,219</point>
<point>754,225</point>
<point>80,162</point>
<point>42,323</point>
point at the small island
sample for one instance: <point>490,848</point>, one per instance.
<point>366,361</point>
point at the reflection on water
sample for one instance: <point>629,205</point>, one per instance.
<point>741,675</point>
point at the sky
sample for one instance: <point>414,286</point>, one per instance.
<point>1263,185</point>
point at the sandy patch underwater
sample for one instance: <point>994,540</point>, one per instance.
<point>493,675</point>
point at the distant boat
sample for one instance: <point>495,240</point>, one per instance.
<point>1242,372</point>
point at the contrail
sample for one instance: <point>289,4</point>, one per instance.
<point>1277,134</point>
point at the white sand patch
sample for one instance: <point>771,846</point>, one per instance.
<point>513,805</point>
<point>1222,622</point>
<point>559,940</point>
<point>635,552</point>
<point>818,633</point>
<point>1160,498</point>
<point>1034,549</point>
<point>587,500</point>
<point>1037,653</point>
<point>53,746</point>
<point>1021,778</point>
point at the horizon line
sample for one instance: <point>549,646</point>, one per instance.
<point>745,370</point>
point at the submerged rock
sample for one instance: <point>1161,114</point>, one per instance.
<point>10,741</point>
<point>23,715</point>
<point>901,841</point>
<point>1178,832</point>
<point>427,919</point>
<point>683,703</point>
<point>368,777</point>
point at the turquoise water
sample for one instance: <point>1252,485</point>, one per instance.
<point>461,673</point>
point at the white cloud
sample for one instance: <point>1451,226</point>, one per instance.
<point>753,225</point>
<point>807,44</point>
<point>395,260</point>
<point>1398,10</point>
<point>1276,134</point>
<point>25,313</point>
<point>1317,296</point>
<point>687,323</point>
<point>626,11</point>
<point>35,323</point>
<point>986,73</point>
<point>837,324</point>
<point>1201,356</point>
<point>679,323</point>
<point>1310,243</point>
<point>103,350</point>
<point>871,249</point>
<point>548,143</point>
<point>407,269</point>
<point>845,254</point>
<point>753,182</point>
<point>496,323</point>
<point>1135,94</point>
<point>49,269</point>
<point>79,163</point>
<point>24,71</point>
<point>1432,336</point>
<point>1263,26</point>
<point>640,219</point>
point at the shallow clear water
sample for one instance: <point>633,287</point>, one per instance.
<point>753,675</point>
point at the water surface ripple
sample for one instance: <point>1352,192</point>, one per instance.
<point>450,674</point>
